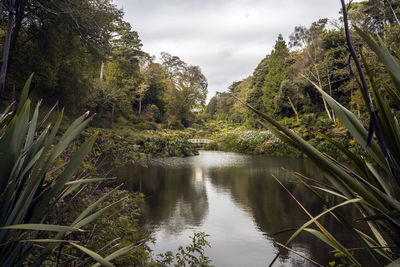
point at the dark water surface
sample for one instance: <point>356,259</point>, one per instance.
<point>233,198</point>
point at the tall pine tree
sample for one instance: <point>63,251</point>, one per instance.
<point>277,73</point>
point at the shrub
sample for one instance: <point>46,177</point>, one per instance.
<point>141,126</point>
<point>29,187</point>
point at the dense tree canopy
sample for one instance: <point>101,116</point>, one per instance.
<point>280,84</point>
<point>90,58</point>
<point>56,33</point>
<point>187,90</point>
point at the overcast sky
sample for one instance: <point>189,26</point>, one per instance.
<point>226,38</point>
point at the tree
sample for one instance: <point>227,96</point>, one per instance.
<point>30,19</point>
<point>277,73</point>
<point>374,15</point>
<point>212,107</point>
<point>157,81</point>
<point>237,111</point>
<point>127,54</point>
<point>126,45</point>
<point>314,62</point>
<point>123,80</point>
<point>6,48</point>
<point>187,89</point>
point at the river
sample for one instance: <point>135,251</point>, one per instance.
<point>235,199</point>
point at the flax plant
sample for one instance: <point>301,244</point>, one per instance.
<point>28,149</point>
<point>371,184</point>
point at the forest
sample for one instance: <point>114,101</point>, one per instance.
<point>93,61</point>
<point>99,66</point>
<point>74,57</point>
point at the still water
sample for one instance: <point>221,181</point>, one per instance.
<point>233,198</point>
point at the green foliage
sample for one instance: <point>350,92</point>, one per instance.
<point>125,146</point>
<point>372,183</point>
<point>68,43</point>
<point>277,73</point>
<point>221,104</point>
<point>192,255</point>
<point>187,89</point>
<point>233,138</point>
<point>30,187</point>
<point>118,228</point>
<point>90,58</point>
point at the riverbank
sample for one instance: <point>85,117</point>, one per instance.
<point>254,142</point>
<point>234,137</point>
<point>187,195</point>
<point>127,146</point>
<point>121,225</point>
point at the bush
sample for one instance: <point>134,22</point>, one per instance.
<point>151,126</point>
<point>34,178</point>
<point>177,125</point>
<point>141,126</point>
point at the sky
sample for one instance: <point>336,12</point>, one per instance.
<point>226,38</point>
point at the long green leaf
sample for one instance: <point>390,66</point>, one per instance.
<point>118,253</point>
<point>349,226</point>
<point>323,238</point>
<point>32,128</point>
<point>85,181</point>
<point>67,139</point>
<point>71,168</point>
<point>336,175</point>
<point>93,206</point>
<point>393,95</point>
<point>388,122</point>
<point>41,227</point>
<point>24,94</point>
<point>95,215</point>
<point>373,243</point>
<point>47,241</point>
<point>73,126</point>
<point>331,238</point>
<point>6,112</point>
<point>355,127</point>
<point>383,53</point>
<point>330,192</point>
<point>314,219</point>
<point>94,255</point>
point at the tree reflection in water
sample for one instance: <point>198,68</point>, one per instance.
<point>174,199</point>
<point>234,198</point>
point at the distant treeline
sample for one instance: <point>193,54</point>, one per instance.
<point>85,56</point>
<point>281,83</point>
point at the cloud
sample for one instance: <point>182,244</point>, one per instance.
<point>226,38</point>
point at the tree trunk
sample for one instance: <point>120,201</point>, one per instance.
<point>102,71</point>
<point>323,99</point>
<point>294,108</point>
<point>140,105</point>
<point>19,16</point>
<point>330,92</point>
<point>6,49</point>
<point>112,116</point>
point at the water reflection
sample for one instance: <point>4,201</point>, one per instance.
<point>174,199</point>
<point>235,199</point>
